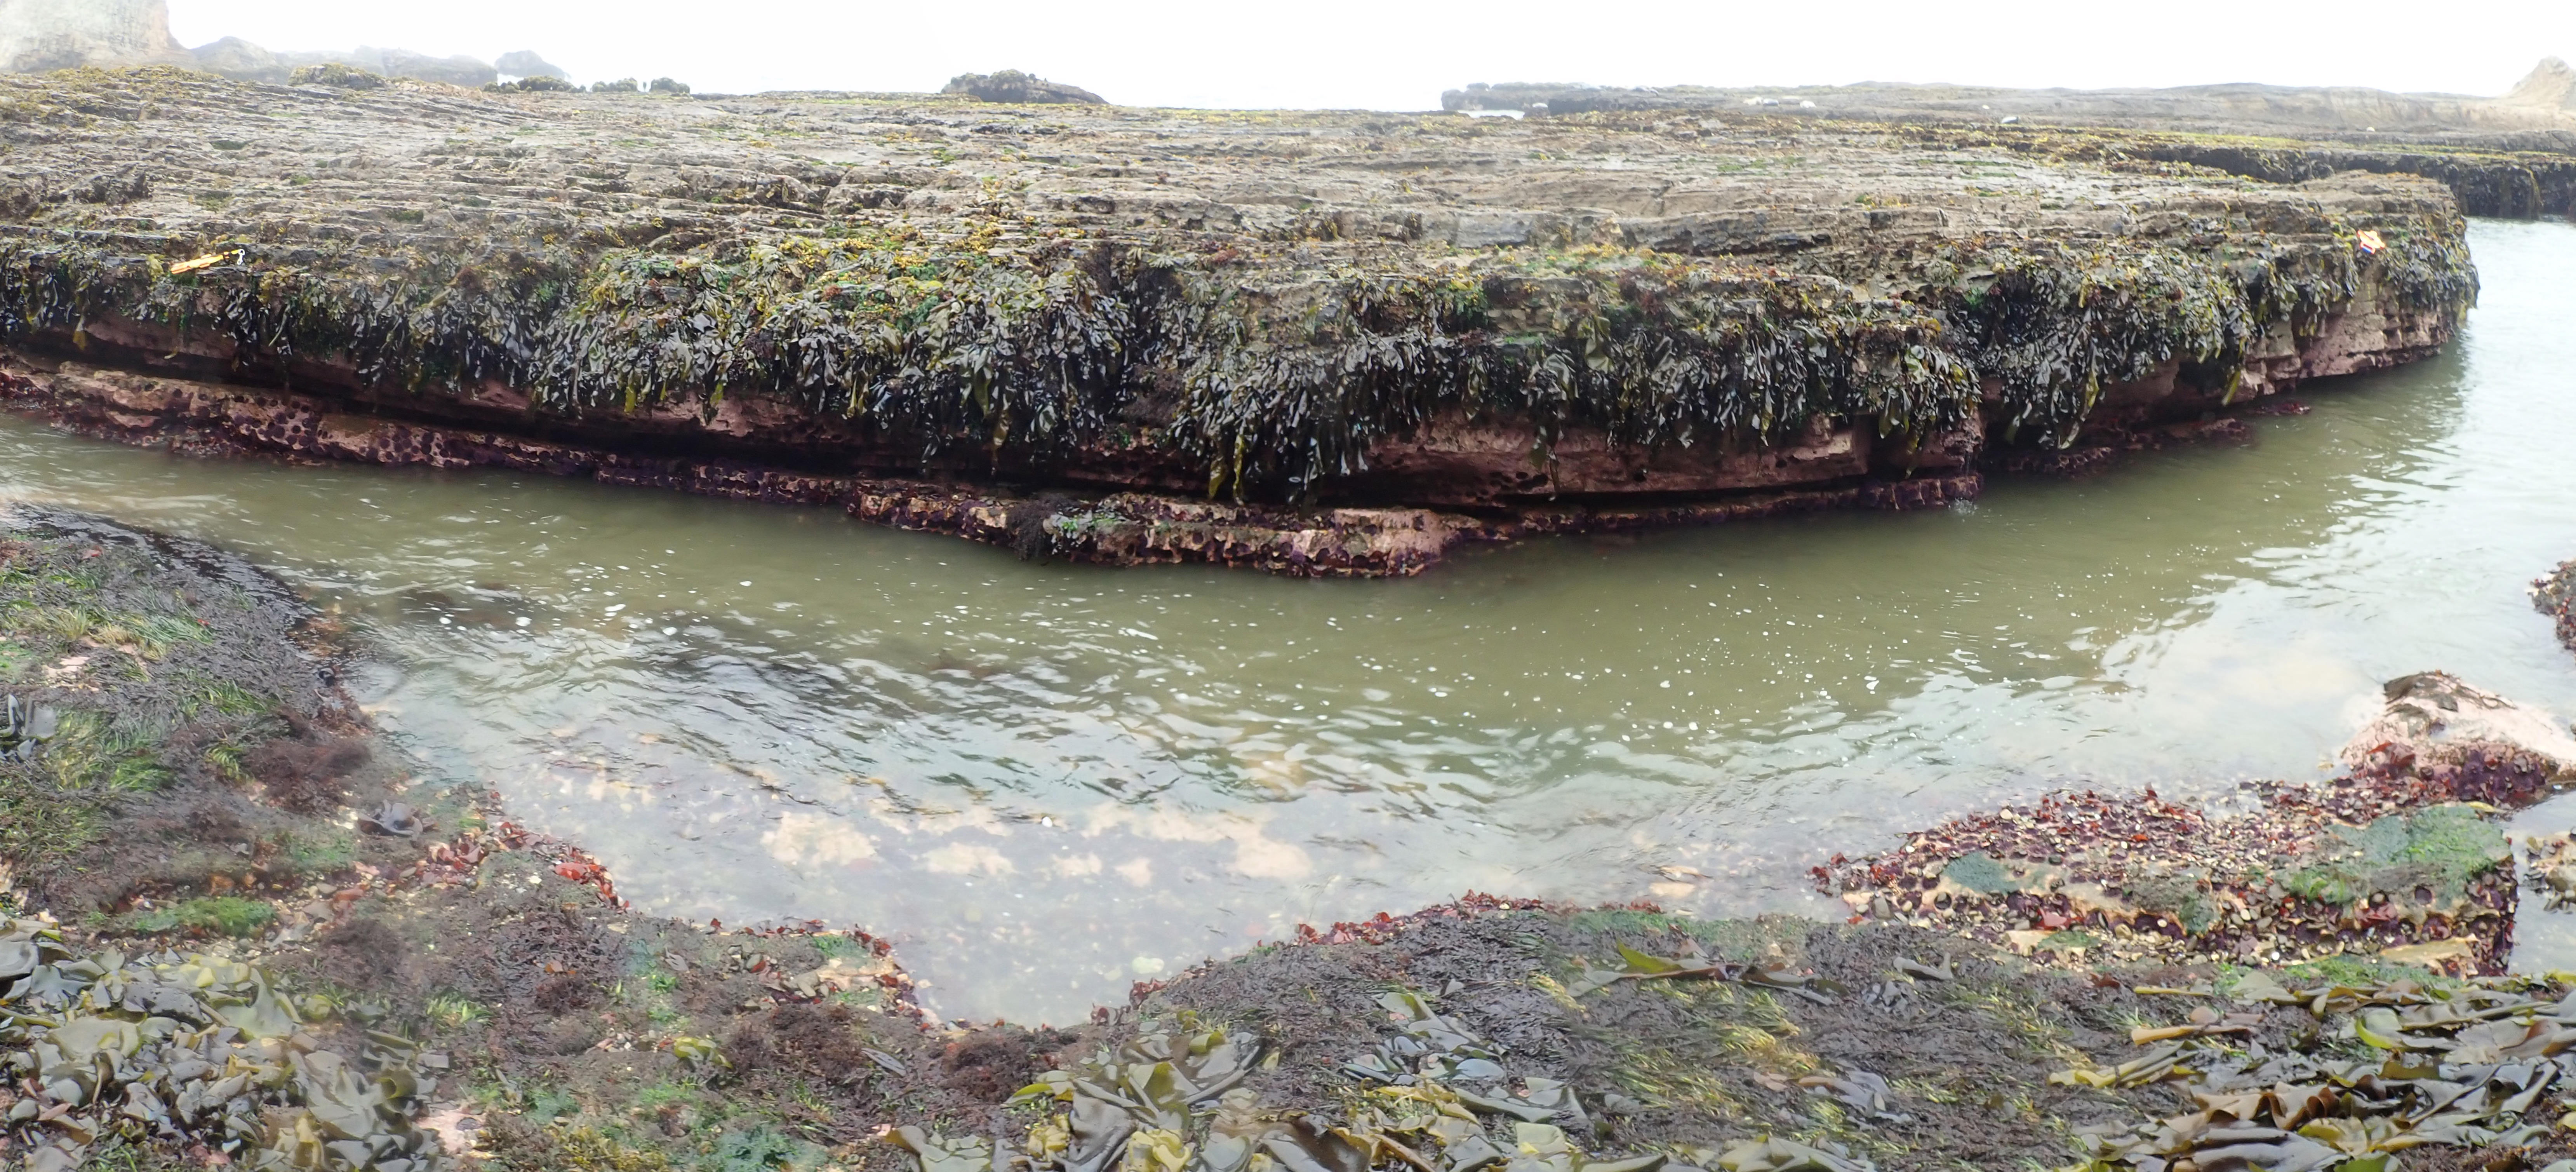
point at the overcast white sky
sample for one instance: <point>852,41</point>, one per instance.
<point>1399,54</point>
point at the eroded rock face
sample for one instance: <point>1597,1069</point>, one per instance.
<point>39,35</point>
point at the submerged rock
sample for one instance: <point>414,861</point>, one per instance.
<point>258,1001</point>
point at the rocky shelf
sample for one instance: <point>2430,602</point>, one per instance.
<point>1320,343</point>
<point>238,928</point>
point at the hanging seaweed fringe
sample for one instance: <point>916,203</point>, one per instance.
<point>1276,380</point>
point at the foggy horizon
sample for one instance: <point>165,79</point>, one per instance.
<point>1339,54</point>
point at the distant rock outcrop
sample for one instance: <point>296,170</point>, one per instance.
<point>337,76</point>
<point>38,35</point>
<point>1011,85</point>
<point>240,60</point>
<point>2543,101</point>
<point>527,64</point>
<point>2551,85</point>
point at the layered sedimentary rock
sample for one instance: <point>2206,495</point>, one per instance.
<point>1324,343</point>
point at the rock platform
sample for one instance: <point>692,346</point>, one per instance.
<point>1311,342</point>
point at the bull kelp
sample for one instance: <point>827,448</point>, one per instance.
<point>1247,305</point>
<point>125,1050</point>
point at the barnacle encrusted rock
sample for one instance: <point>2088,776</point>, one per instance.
<point>2434,719</point>
<point>1361,337</point>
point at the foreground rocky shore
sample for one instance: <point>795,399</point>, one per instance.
<point>1313,343</point>
<point>236,930</point>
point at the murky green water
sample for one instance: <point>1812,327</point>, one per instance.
<point>1049,781</point>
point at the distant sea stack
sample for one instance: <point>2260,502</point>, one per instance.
<point>38,35</point>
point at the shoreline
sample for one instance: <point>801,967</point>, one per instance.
<point>237,928</point>
<point>462,971</point>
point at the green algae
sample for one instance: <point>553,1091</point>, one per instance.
<point>223,915</point>
<point>129,677</point>
<point>2440,850</point>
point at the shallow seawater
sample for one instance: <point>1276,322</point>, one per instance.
<point>1049,781</point>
